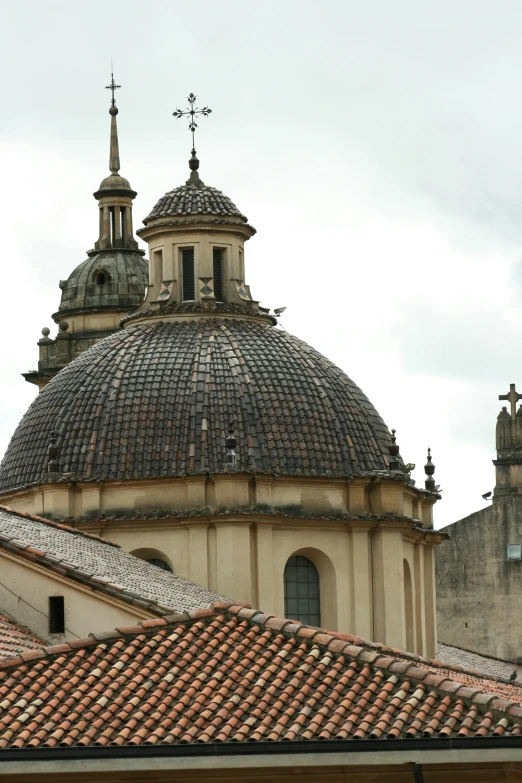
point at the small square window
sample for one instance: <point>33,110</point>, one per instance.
<point>514,551</point>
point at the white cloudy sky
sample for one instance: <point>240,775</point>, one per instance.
<point>376,147</point>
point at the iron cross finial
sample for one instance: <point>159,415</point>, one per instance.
<point>113,87</point>
<point>192,113</point>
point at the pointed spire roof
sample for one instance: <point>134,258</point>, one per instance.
<point>114,182</point>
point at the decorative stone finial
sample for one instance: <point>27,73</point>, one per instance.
<point>230,444</point>
<point>429,469</point>
<point>53,452</point>
<point>46,331</point>
<point>394,463</point>
<point>64,325</point>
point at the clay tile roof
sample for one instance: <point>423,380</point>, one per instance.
<point>156,399</point>
<point>191,199</point>
<point>102,565</point>
<point>232,674</point>
<point>16,639</point>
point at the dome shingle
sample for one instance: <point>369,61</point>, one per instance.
<point>156,399</point>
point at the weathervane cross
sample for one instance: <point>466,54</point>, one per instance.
<point>192,113</point>
<point>512,397</point>
<point>113,87</point>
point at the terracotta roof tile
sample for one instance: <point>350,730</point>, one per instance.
<point>224,677</point>
<point>102,565</point>
<point>192,199</point>
<point>15,639</point>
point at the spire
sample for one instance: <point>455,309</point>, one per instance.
<point>114,160</point>
<point>115,195</point>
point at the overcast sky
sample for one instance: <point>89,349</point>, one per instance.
<point>376,146</point>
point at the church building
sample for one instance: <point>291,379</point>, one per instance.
<point>185,461</point>
<point>202,436</point>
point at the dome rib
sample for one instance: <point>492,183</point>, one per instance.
<point>156,399</point>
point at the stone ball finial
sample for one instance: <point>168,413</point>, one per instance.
<point>64,325</point>
<point>113,111</point>
<point>393,448</point>
<point>194,161</point>
<point>429,469</point>
<point>46,332</point>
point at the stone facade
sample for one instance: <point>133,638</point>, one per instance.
<point>479,590</point>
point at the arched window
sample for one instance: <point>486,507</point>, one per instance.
<point>160,564</point>
<point>302,599</point>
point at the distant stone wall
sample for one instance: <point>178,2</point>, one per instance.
<point>479,592</point>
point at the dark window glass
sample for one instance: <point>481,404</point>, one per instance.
<point>187,272</point>
<point>302,591</point>
<point>218,274</point>
<point>56,614</point>
<point>160,564</point>
<point>101,279</point>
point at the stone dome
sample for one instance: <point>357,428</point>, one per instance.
<point>114,279</point>
<point>156,398</point>
<point>195,199</point>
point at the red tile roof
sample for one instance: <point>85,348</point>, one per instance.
<point>15,639</point>
<point>234,674</point>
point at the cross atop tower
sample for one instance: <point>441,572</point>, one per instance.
<point>192,113</point>
<point>512,397</point>
<point>113,87</point>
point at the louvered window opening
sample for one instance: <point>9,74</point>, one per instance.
<point>302,598</point>
<point>187,274</point>
<point>218,274</point>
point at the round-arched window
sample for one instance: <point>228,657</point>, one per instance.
<point>160,564</point>
<point>101,278</point>
<point>302,597</point>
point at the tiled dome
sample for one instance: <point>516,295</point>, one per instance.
<point>195,198</point>
<point>156,399</point>
<point>124,273</point>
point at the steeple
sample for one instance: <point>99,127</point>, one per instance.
<point>108,284</point>
<point>115,195</point>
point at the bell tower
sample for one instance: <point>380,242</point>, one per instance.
<point>111,282</point>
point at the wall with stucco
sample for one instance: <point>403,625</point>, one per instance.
<point>25,589</point>
<point>479,592</point>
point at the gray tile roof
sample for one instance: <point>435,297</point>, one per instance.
<point>190,199</point>
<point>100,564</point>
<point>155,400</point>
<point>486,664</point>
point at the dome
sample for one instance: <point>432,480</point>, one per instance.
<point>108,279</point>
<point>195,198</point>
<point>114,182</point>
<point>156,398</point>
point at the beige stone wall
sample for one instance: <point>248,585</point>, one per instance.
<point>376,577</point>
<point>25,589</point>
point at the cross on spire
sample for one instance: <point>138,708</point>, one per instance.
<point>192,113</point>
<point>113,87</point>
<point>512,397</point>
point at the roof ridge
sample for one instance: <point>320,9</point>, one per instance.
<point>333,642</point>
<point>60,525</point>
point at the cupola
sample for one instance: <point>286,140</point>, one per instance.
<point>107,285</point>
